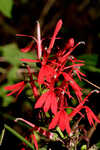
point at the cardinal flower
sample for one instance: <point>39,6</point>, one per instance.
<point>91,116</point>
<point>46,73</point>
<point>61,119</point>
<point>15,88</point>
<point>74,86</point>
<point>47,101</point>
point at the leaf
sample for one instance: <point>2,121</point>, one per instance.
<point>6,99</point>
<point>98,144</point>
<point>90,62</point>
<point>13,55</point>
<point>6,7</point>
<point>2,136</point>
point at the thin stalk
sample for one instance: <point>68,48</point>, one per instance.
<point>19,136</point>
<point>91,83</point>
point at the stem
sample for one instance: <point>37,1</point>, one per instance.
<point>19,136</point>
<point>91,83</point>
<point>60,132</point>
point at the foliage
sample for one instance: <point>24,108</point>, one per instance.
<point>91,62</point>
<point>6,7</point>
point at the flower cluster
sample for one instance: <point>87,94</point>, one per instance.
<point>56,76</point>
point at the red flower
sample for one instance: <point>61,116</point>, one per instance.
<point>46,73</point>
<point>62,120</point>
<point>91,116</point>
<point>74,86</point>
<point>47,101</point>
<point>15,88</point>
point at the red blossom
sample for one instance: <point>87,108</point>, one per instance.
<point>18,87</point>
<point>91,116</point>
<point>61,119</point>
<point>47,101</point>
<point>52,68</point>
<point>74,86</point>
<point>58,27</point>
<point>46,73</point>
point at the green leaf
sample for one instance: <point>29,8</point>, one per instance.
<point>98,144</point>
<point>2,136</point>
<point>90,59</point>
<point>6,7</point>
<point>90,62</point>
<point>13,55</point>
<point>19,136</point>
<point>6,99</point>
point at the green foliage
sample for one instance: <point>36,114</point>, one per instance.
<point>6,99</point>
<point>90,62</point>
<point>98,144</point>
<point>6,7</point>
<point>12,55</point>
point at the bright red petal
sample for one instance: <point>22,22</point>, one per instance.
<point>54,103</point>
<point>27,48</point>
<point>41,100</point>
<point>62,120</point>
<point>54,120</point>
<point>14,86</point>
<point>58,27</point>
<point>68,129</point>
<point>29,60</point>
<point>47,102</point>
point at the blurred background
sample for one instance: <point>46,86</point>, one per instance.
<point>81,20</point>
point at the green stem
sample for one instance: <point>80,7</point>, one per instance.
<point>60,132</point>
<point>19,136</point>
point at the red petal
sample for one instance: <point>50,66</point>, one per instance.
<point>41,100</point>
<point>68,129</point>
<point>54,104</point>
<point>14,91</point>
<point>89,117</point>
<point>14,86</point>
<point>29,60</point>
<point>62,121</point>
<point>35,141</point>
<point>58,26</point>
<point>47,102</point>
<point>21,89</point>
<point>54,120</point>
<point>28,48</point>
<point>92,114</point>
